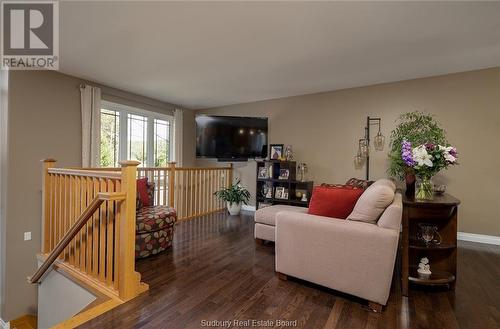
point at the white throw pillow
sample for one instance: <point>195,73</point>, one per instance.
<point>372,203</point>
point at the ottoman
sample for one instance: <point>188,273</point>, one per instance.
<point>265,220</point>
<point>154,230</point>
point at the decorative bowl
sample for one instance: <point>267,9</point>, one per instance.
<point>439,189</point>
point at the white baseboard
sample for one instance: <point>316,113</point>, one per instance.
<point>480,238</point>
<point>4,325</point>
<point>247,207</point>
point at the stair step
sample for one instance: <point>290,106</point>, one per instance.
<point>24,322</point>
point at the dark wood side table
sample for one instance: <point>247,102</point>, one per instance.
<point>442,213</point>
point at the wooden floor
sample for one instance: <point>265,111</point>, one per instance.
<point>216,272</point>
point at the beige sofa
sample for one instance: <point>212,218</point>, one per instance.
<point>355,256</point>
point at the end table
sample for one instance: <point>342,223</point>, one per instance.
<point>440,212</point>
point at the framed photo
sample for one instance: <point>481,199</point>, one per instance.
<point>263,172</point>
<point>285,195</point>
<point>278,193</point>
<point>276,151</point>
<point>269,193</point>
<point>281,193</point>
<point>284,174</point>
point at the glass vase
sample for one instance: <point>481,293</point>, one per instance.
<point>424,189</point>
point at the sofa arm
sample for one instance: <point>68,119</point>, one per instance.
<point>353,257</point>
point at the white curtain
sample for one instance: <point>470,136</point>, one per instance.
<point>178,142</point>
<point>91,124</point>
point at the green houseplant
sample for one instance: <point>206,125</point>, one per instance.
<point>234,196</point>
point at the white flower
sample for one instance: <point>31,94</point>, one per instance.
<point>446,153</point>
<point>421,157</point>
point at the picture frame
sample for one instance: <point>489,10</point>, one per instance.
<point>284,174</point>
<point>269,193</point>
<point>281,193</point>
<point>276,151</point>
<point>263,172</point>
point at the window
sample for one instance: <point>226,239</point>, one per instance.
<point>137,139</point>
<point>110,139</point>
<point>161,142</point>
<point>133,134</point>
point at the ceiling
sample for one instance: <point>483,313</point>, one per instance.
<point>200,54</point>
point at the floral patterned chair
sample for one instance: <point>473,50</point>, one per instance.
<point>154,230</point>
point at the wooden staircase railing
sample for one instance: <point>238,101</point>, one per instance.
<point>61,245</point>
<point>190,190</point>
<point>89,225</point>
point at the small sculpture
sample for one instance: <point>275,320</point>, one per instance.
<point>288,153</point>
<point>424,269</point>
<point>304,197</point>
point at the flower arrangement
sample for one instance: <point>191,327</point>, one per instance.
<point>418,128</point>
<point>427,160</point>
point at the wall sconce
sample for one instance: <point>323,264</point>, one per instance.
<point>358,160</point>
<point>379,140</point>
<point>363,148</point>
<point>364,145</point>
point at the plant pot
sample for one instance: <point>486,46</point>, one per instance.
<point>233,208</point>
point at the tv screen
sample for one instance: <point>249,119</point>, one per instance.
<point>231,137</point>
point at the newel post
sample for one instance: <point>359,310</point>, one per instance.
<point>171,184</point>
<point>127,278</point>
<point>46,190</point>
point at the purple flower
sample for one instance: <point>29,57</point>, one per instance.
<point>406,153</point>
<point>453,152</point>
<point>430,146</point>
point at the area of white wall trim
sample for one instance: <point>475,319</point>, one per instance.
<point>480,238</point>
<point>247,207</point>
<point>4,325</point>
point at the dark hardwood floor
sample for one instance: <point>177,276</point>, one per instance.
<point>215,271</point>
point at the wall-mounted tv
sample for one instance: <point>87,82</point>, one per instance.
<point>231,138</point>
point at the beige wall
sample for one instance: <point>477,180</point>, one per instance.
<point>44,121</point>
<point>324,129</point>
<point>3,180</point>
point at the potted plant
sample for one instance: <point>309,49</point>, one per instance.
<point>419,148</point>
<point>234,196</point>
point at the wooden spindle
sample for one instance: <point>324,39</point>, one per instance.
<point>171,184</point>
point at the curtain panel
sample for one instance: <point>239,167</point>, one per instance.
<point>178,134</point>
<point>91,124</point>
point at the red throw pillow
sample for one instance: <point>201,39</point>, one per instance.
<point>337,202</point>
<point>142,191</point>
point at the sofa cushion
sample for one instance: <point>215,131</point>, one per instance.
<point>154,218</point>
<point>142,192</point>
<point>361,183</point>
<point>268,215</point>
<point>372,203</point>
<point>336,202</point>
<point>391,217</point>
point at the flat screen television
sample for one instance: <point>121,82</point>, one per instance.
<point>231,138</point>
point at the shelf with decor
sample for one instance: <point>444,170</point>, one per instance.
<point>430,231</point>
<point>436,278</point>
<point>277,183</point>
